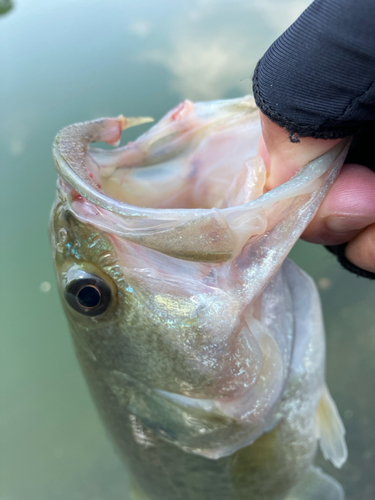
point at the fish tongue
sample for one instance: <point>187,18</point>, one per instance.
<point>248,184</point>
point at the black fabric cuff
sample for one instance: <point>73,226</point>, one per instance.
<point>296,130</point>
<point>339,251</point>
<point>318,78</point>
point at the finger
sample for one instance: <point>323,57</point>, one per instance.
<point>284,158</point>
<point>348,207</point>
<point>361,250</point>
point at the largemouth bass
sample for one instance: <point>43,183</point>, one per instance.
<point>202,344</point>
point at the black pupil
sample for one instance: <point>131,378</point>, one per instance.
<point>89,296</point>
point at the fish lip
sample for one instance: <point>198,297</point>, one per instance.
<point>132,211</point>
<point>95,196</point>
<point>107,203</point>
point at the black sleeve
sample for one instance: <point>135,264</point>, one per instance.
<point>318,80</point>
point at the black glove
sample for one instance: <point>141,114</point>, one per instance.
<point>318,80</point>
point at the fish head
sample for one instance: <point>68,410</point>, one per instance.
<point>172,324</point>
<point>179,304</point>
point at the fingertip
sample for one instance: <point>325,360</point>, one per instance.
<point>348,207</point>
<point>352,195</point>
<point>286,158</point>
<point>361,250</point>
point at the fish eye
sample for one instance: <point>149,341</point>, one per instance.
<point>88,294</point>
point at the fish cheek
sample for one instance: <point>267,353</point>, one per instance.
<point>86,263</point>
<point>95,325</point>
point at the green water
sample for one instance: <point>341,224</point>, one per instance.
<point>65,61</point>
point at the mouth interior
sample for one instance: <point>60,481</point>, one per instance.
<point>190,169</point>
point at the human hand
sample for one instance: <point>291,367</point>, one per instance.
<point>347,214</point>
<point>316,85</point>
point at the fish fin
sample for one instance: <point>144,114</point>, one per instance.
<point>315,485</point>
<point>330,430</point>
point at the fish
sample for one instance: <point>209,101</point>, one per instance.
<point>202,344</point>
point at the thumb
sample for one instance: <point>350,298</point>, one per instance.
<point>283,158</point>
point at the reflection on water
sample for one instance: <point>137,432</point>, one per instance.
<point>69,61</point>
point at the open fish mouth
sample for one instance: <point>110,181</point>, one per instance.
<point>191,187</point>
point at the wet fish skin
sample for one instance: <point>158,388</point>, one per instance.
<point>273,463</point>
<point>166,363</point>
<point>148,454</point>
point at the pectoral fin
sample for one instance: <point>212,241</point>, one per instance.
<point>315,485</point>
<point>331,431</point>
